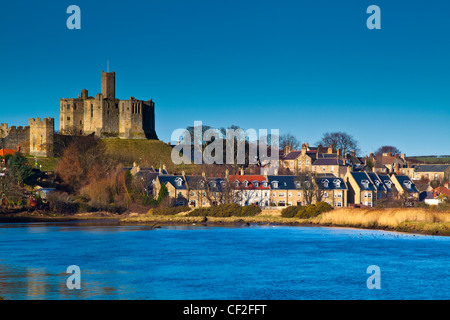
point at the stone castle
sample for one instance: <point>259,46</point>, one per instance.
<point>35,139</point>
<point>102,115</point>
<point>106,116</point>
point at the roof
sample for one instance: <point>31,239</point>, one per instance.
<point>177,181</point>
<point>4,152</point>
<point>406,183</point>
<point>283,182</point>
<point>331,183</point>
<point>442,190</point>
<point>250,179</point>
<point>432,167</point>
<point>386,181</point>
<point>292,155</point>
<point>328,162</point>
<point>363,180</point>
<point>379,185</point>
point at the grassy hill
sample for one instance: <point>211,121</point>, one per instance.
<point>146,153</point>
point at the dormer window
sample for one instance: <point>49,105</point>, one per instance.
<point>246,183</point>
<point>388,184</point>
<point>255,184</point>
<point>265,184</point>
<point>337,183</point>
<point>236,183</point>
<point>377,182</point>
<point>365,183</point>
<point>213,184</point>
<point>408,184</point>
<point>325,183</point>
<point>298,184</point>
<point>275,184</point>
<point>179,182</point>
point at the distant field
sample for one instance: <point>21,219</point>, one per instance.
<point>430,160</point>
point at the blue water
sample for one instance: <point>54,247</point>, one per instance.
<point>133,262</point>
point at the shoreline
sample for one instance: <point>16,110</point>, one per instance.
<point>411,221</point>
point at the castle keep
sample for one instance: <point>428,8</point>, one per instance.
<point>106,116</point>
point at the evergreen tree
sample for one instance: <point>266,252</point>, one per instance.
<point>19,168</point>
<point>163,192</point>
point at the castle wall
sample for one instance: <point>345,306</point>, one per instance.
<point>41,135</point>
<point>15,138</point>
<point>93,115</point>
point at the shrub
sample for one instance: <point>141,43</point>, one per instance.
<point>250,211</point>
<point>290,212</point>
<point>61,202</point>
<point>313,210</point>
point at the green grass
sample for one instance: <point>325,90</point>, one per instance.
<point>146,153</point>
<point>430,160</point>
<point>48,164</point>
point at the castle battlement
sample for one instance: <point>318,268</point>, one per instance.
<point>38,121</point>
<point>106,116</point>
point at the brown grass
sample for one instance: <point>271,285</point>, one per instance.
<point>402,219</point>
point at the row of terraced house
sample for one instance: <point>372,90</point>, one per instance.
<point>355,188</point>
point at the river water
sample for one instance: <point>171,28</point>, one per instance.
<point>256,262</point>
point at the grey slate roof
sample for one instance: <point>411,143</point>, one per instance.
<point>432,167</point>
<point>389,185</point>
<point>331,183</point>
<point>379,185</point>
<point>363,180</point>
<point>407,184</point>
<point>173,181</point>
<point>284,182</point>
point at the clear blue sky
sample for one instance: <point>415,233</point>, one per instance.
<point>305,67</point>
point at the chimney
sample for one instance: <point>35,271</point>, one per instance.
<point>339,153</point>
<point>303,149</point>
<point>183,174</point>
<point>241,171</point>
<point>287,150</point>
<point>226,174</point>
<point>330,149</point>
<point>403,156</point>
<point>353,153</point>
<point>275,172</point>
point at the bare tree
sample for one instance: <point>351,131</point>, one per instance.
<point>290,140</point>
<point>340,140</point>
<point>387,149</point>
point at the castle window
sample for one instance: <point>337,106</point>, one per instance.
<point>68,106</point>
<point>68,118</point>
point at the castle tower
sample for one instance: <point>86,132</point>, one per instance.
<point>41,136</point>
<point>109,85</point>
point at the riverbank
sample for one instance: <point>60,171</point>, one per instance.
<point>410,220</point>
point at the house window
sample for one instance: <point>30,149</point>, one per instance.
<point>323,169</point>
<point>180,193</point>
<point>365,194</point>
<point>370,195</point>
<point>274,194</point>
<point>299,194</point>
<point>192,193</point>
<point>325,194</point>
<point>339,195</point>
<point>68,118</point>
<point>332,169</point>
<point>339,204</point>
<point>281,194</point>
<point>290,194</point>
